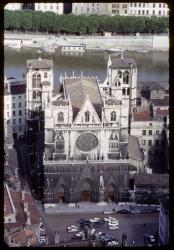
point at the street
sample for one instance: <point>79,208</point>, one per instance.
<point>132,225</point>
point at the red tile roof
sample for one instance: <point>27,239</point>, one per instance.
<point>34,215</point>
<point>162,112</point>
<point>21,238</point>
<point>142,116</point>
<point>8,209</point>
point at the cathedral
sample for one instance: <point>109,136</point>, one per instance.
<point>78,132</point>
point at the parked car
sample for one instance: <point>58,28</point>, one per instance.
<point>83,221</point>
<point>146,211</point>
<point>113,227</point>
<point>112,243</point>
<point>77,236</point>
<point>42,240</point>
<point>99,223</point>
<point>109,218</point>
<point>123,211</point>
<point>150,240</point>
<point>94,219</point>
<point>135,211</point>
<point>72,229</point>
<point>108,212</point>
<point>113,223</point>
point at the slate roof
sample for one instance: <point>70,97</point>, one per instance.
<point>152,179</point>
<point>160,102</point>
<point>154,85</point>
<point>78,89</point>
<point>15,89</point>
<point>123,63</point>
<point>59,102</point>
<point>56,90</point>
<point>134,148</point>
<point>34,216</point>
<point>40,63</point>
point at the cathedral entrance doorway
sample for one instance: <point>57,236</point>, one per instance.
<point>86,195</point>
<point>110,196</point>
<point>112,193</point>
<point>61,194</point>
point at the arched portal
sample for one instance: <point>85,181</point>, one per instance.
<point>112,193</point>
<point>86,190</point>
<point>61,194</point>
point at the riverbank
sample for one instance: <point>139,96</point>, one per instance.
<point>93,43</point>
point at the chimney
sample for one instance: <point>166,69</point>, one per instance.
<point>28,239</point>
<point>25,206</point>
<point>28,219</point>
<point>8,87</point>
<point>23,196</point>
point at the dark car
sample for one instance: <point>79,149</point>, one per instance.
<point>99,223</point>
<point>150,240</point>
<point>123,211</point>
<point>83,221</point>
<point>146,211</point>
<point>76,237</point>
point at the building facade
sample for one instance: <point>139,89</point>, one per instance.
<point>13,6</point>
<point>85,131</point>
<point>118,9</point>
<point>53,7</point>
<point>14,107</point>
<point>164,222</point>
<point>148,9</point>
<point>89,8</point>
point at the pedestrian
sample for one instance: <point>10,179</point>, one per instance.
<point>113,210</point>
<point>144,224</point>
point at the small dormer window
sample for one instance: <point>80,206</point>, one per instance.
<point>113,116</point>
<point>60,117</point>
<point>87,116</point>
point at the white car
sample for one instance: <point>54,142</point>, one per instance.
<point>113,223</point>
<point>112,243</point>
<point>108,212</point>
<point>113,227</point>
<point>72,229</point>
<point>109,218</point>
<point>135,211</point>
<point>94,219</point>
<point>42,239</point>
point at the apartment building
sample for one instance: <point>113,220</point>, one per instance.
<point>148,9</point>
<point>118,9</point>
<point>14,107</point>
<point>53,7</point>
<point>13,6</point>
<point>89,8</point>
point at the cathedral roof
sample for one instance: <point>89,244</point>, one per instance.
<point>123,63</point>
<point>40,63</point>
<point>59,102</point>
<point>78,89</point>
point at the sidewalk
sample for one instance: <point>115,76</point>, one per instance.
<point>89,207</point>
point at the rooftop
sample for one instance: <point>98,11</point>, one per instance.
<point>21,238</point>
<point>154,85</point>
<point>8,207</point>
<point>152,179</point>
<point>160,112</point>
<point>142,116</point>
<point>15,89</point>
<point>78,89</point>
<point>123,63</point>
<point>134,148</point>
<point>160,102</point>
<point>40,63</point>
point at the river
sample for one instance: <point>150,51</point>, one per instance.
<point>152,66</point>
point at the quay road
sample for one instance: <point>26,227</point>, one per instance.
<point>131,224</point>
